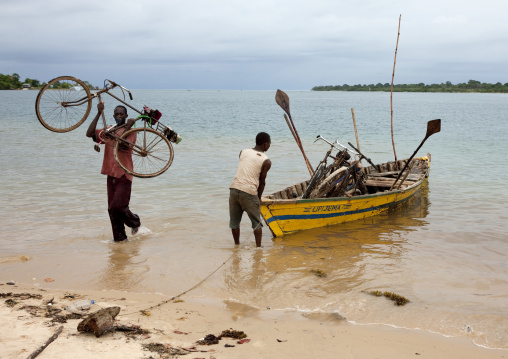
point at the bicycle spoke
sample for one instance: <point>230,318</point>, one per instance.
<point>152,154</point>
<point>63,90</point>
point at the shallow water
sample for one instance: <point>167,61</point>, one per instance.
<point>445,251</point>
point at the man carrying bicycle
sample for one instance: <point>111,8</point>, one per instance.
<point>119,183</point>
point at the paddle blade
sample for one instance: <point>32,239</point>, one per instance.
<point>433,127</point>
<point>283,101</point>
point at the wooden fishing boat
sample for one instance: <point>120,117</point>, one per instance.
<point>287,211</point>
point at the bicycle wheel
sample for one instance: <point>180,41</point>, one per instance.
<point>63,104</point>
<point>150,153</point>
<point>328,183</point>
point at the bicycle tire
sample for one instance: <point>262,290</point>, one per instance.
<point>152,153</point>
<point>57,117</point>
<point>326,185</point>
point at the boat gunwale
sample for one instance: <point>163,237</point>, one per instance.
<point>268,201</point>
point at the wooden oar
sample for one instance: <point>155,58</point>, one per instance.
<point>433,127</point>
<point>291,129</point>
<point>282,100</point>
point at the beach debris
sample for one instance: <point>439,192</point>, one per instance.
<point>49,280</point>
<point>132,330</point>
<point>11,283</point>
<point>48,342</point>
<point>41,311</point>
<point>145,312</point>
<point>281,341</point>
<point>398,299</point>
<point>32,309</point>
<point>210,339</point>
<point>80,307</point>
<point>10,302</point>
<point>162,349</point>
<point>72,296</point>
<point>230,333</point>
<point>229,346</point>
<point>50,302</point>
<point>318,273</point>
<point>100,322</point>
<point>21,296</point>
<point>179,332</point>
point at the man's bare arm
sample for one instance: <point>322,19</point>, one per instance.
<point>91,129</point>
<point>262,177</point>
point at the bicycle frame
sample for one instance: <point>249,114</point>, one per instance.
<point>142,151</point>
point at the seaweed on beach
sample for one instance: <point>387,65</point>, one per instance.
<point>46,310</point>
<point>210,339</point>
<point>21,296</point>
<point>131,331</point>
<point>162,349</point>
<point>398,299</point>
<point>318,272</point>
<point>10,302</point>
<point>230,333</point>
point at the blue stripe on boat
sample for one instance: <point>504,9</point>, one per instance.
<point>330,215</point>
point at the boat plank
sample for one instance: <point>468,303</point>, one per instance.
<point>299,190</point>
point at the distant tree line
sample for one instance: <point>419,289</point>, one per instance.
<point>470,86</point>
<point>12,82</point>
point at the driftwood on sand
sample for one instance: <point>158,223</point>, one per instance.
<point>100,322</point>
<point>48,342</point>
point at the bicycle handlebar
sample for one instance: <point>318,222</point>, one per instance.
<point>336,143</point>
<point>123,88</point>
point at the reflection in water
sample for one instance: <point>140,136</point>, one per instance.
<point>123,272</point>
<point>352,255</point>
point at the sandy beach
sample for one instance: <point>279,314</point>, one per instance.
<point>175,326</point>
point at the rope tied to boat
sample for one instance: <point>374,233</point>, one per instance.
<point>203,280</point>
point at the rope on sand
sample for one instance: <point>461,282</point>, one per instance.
<point>197,285</point>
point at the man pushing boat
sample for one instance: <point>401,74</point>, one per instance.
<point>247,188</point>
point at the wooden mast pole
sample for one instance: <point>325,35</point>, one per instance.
<point>391,96</point>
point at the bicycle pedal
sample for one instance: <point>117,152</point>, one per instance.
<point>97,148</point>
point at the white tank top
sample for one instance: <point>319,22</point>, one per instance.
<point>249,169</point>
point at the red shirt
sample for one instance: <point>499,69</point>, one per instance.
<point>109,165</point>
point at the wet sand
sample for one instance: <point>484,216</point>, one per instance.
<point>180,323</point>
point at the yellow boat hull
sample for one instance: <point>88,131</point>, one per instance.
<point>284,216</point>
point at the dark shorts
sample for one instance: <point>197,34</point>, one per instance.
<point>240,202</point>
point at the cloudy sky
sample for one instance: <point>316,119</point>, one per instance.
<point>256,44</point>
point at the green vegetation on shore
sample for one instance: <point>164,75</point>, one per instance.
<point>470,86</point>
<point>12,82</point>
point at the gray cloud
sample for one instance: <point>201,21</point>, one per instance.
<point>254,45</point>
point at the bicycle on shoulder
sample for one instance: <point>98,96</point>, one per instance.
<point>65,102</point>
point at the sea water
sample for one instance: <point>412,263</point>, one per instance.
<point>446,251</point>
